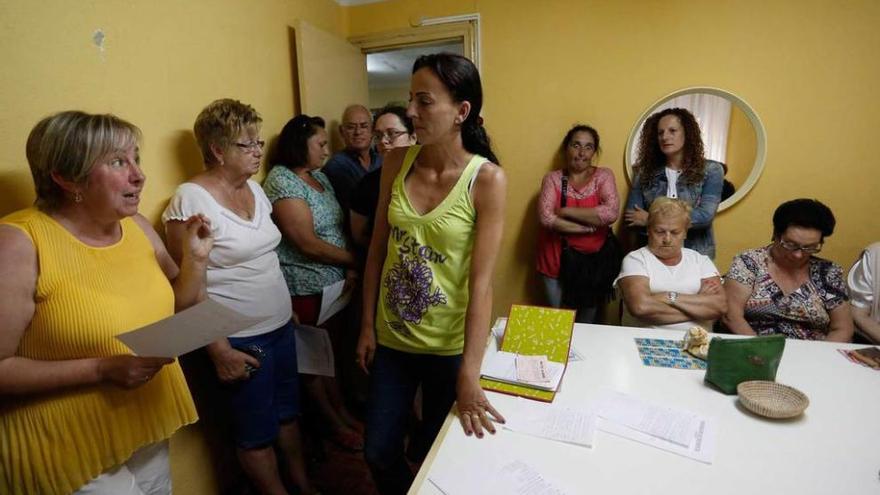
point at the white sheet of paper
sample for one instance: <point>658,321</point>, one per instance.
<point>666,423</point>
<point>701,447</point>
<point>552,421</point>
<point>188,330</point>
<point>333,299</point>
<point>509,476</point>
<point>314,353</point>
<point>533,370</point>
<point>501,366</point>
<point>498,329</point>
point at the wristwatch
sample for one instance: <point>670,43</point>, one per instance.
<point>671,297</point>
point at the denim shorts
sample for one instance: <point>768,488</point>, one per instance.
<point>270,397</point>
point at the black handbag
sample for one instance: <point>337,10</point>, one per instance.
<point>586,278</point>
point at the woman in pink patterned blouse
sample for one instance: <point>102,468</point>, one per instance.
<point>576,230</point>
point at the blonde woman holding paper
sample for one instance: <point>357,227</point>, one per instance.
<point>78,412</point>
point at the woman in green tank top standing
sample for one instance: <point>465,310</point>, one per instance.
<point>428,277</point>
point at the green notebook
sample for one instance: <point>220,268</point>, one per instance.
<point>534,330</point>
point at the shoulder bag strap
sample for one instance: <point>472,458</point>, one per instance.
<point>562,201</point>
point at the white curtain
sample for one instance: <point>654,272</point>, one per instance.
<point>712,113</point>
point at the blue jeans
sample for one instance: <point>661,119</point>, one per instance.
<point>394,378</point>
<point>270,397</point>
<point>553,292</point>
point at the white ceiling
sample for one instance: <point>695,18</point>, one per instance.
<point>393,68</point>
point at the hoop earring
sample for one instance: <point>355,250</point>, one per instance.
<point>77,197</point>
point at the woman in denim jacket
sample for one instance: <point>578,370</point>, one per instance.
<point>671,163</point>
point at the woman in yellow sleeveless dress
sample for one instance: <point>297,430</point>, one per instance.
<point>79,413</point>
<point>428,277</point>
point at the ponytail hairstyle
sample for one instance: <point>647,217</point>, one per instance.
<point>462,80</point>
<point>292,150</point>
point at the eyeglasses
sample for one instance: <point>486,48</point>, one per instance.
<point>390,135</point>
<point>579,146</point>
<point>251,147</point>
<point>364,126</point>
<point>791,246</point>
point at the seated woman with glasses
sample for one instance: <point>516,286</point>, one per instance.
<point>782,288</point>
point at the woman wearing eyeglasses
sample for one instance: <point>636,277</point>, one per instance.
<point>392,129</point>
<point>782,288</point>
<point>257,366</point>
<point>314,253</point>
<point>576,208</point>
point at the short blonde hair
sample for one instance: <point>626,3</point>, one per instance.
<point>68,144</point>
<point>220,123</point>
<point>668,207</point>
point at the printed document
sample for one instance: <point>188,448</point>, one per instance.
<point>194,327</point>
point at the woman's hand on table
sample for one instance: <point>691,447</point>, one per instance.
<point>366,348</point>
<point>231,364</point>
<point>636,217</point>
<point>129,371</point>
<point>474,409</point>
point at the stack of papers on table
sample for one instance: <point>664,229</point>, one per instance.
<point>674,430</point>
<point>574,425</point>
<point>518,369</point>
<point>504,474</point>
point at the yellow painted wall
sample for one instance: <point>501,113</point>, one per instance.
<point>742,146</point>
<point>809,68</point>
<point>162,62</point>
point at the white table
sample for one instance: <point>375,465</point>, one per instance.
<point>834,448</point>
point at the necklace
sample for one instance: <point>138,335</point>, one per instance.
<point>237,199</point>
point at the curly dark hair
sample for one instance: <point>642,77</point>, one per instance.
<point>806,213</point>
<point>292,149</point>
<point>650,157</point>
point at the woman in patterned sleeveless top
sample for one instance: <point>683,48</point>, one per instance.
<point>428,277</point>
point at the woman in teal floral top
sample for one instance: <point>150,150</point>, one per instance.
<point>314,251</point>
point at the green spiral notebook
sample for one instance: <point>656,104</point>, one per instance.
<point>535,330</point>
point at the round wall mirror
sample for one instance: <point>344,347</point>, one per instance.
<point>732,134</point>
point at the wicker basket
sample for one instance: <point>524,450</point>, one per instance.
<point>771,399</point>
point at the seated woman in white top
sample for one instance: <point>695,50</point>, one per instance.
<point>666,285</point>
<point>863,283</point>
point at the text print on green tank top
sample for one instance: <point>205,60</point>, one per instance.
<point>425,245</point>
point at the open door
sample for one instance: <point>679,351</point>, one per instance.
<point>331,74</point>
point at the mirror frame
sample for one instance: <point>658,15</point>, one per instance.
<point>760,138</point>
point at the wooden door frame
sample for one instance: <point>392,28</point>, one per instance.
<point>465,28</point>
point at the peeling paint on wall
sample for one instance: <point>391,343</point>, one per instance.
<point>98,39</point>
